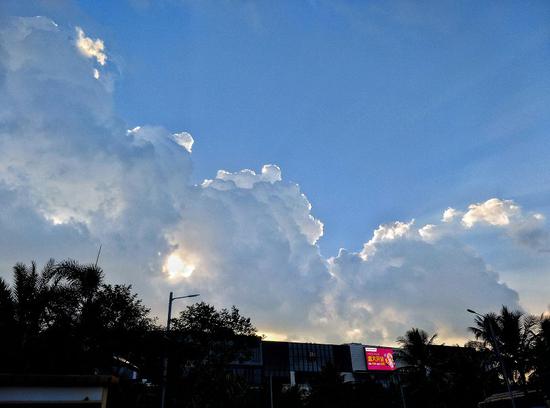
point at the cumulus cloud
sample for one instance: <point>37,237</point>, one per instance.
<point>70,158</point>
<point>73,176</point>
<point>185,140</point>
<point>250,237</point>
<point>386,233</point>
<point>408,282</point>
<point>246,178</point>
<point>526,228</point>
<point>450,214</point>
<point>492,212</point>
<point>84,174</point>
<point>428,232</point>
<point>90,48</point>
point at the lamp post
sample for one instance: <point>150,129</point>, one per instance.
<point>165,365</point>
<point>398,372</point>
<point>497,351</point>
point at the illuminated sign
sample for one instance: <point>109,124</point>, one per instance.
<point>380,359</point>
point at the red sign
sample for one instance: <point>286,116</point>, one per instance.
<point>380,359</point>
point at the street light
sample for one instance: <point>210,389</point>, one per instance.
<point>165,368</point>
<point>497,350</point>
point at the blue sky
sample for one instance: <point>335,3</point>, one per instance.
<point>380,112</point>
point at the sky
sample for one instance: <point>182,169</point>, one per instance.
<point>339,170</point>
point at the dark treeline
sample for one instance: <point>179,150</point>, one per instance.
<point>64,319</point>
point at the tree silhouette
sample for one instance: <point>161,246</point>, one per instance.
<point>514,335</point>
<point>65,319</point>
<point>415,348</point>
<point>417,353</point>
<point>204,342</point>
<point>540,376</point>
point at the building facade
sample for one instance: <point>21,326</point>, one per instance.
<point>291,363</point>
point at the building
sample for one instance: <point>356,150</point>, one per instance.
<point>290,363</point>
<point>272,367</point>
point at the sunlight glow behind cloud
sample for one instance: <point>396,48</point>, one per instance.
<point>176,268</point>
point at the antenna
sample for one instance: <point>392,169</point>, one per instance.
<point>98,253</point>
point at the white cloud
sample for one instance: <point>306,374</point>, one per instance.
<point>493,212</point>
<point>185,140</point>
<point>90,48</point>
<point>450,214</point>
<point>251,237</point>
<point>70,159</point>
<point>411,283</point>
<point>390,232</point>
<point>527,229</point>
<point>248,178</point>
<point>79,167</point>
<point>387,232</point>
<point>428,232</point>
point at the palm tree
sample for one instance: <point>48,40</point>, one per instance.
<point>422,383</point>
<point>65,318</point>
<point>26,309</point>
<point>7,306</point>
<point>541,357</point>
<point>513,334</point>
<point>85,279</point>
<point>415,348</point>
<point>482,329</point>
<point>7,314</point>
<point>31,295</point>
<point>60,296</point>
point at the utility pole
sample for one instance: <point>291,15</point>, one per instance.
<point>271,390</point>
<point>401,390</point>
<point>165,363</point>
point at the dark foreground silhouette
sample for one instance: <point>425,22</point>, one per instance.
<point>64,320</point>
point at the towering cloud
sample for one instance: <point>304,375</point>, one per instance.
<point>73,176</point>
<point>71,161</point>
<point>404,280</point>
<point>249,239</point>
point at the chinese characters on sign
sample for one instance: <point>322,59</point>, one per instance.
<point>379,359</point>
